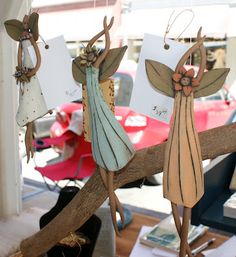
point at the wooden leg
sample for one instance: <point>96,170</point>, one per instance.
<point>114,201</point>
<point>184,231</point>
<point>29,141</point>
<point>178,226</point>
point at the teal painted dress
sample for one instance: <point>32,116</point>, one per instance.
<point>111,146</point>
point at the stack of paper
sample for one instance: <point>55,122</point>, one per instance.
<point>230,207</point>
<point>165,236</point>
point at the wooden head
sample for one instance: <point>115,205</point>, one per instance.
<point>26,22</point>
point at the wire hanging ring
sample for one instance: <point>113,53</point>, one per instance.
<point>170,25</point>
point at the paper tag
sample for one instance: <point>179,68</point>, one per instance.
<point>55,73</point>
<point>145,99</point>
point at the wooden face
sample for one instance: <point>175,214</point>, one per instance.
<point>26,22</point>
<point>185,81</point>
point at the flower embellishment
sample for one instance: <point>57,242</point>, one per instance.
<point>184,80</point>
<point>89,55</point>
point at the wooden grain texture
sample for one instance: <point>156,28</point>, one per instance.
<point>183,176</point>
<point>146,162</point>
<point>211,82</point>
<point>111,63</point>
<point>160,77</point>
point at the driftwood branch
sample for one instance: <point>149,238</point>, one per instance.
<point>146,162</point>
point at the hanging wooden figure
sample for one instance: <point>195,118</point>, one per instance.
<point>183,173</point>
<point>111,147</point>
<point>31,101</point>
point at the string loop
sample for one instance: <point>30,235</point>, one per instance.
<point>170,25</point>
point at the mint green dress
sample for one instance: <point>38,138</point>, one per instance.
<point>111,147</point>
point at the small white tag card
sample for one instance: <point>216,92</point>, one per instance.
<point>55,73</point>
<point>145,99</point>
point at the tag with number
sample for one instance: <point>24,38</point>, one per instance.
<point>55,75</point>
<point>145,99</point>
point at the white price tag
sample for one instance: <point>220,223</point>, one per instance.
<point>145,99</point>
<point>55,73</point>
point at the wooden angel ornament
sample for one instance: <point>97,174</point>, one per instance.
<point>183,173</point>
<point>111,147</point>
<point>31,101</point>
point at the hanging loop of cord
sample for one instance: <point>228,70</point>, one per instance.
<point>170,25</point>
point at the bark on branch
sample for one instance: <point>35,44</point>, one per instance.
<point>146,162</point>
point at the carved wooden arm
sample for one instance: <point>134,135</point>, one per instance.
<point>107,42</point>
<point>38,58</point>
<point>96,37</point>
<point>19,56</point>
<point>146,162</point>
<point>198,44</point>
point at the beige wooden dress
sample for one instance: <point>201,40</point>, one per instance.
<point>183,173</point>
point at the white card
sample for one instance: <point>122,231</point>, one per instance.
<point>55,73</point>
<point>227,249</point>
<point>140,249</point>
<point>145,99</point>
<point>163,253</point>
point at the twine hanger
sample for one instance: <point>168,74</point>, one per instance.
<point>170,25</point>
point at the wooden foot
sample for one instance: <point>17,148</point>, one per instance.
<point>29,141</point>
<point>179,228</point>
<point>115,204</point>
<point>184,231</point>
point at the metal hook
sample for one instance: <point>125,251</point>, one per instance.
<point>46,45</point>
<point>169,25</point>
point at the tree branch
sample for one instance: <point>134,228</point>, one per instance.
<point>146,162</point>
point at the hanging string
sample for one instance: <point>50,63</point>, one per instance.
<point>107,7</point>
<point>170,25</point>
<point>191,39</point>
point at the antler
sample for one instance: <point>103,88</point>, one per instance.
<point>199,44</point>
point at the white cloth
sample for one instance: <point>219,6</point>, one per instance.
<point>31,103</point>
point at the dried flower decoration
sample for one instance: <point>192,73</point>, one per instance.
<point>73,240</point>
<point>89,55</point>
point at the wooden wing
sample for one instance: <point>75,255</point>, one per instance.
<point>14,28</point>
<point>79,71</point>
<point>211,82</point>
<point>111,62</point>
<point>160,77</point>
<point>33,25</point>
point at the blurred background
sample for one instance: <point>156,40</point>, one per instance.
<point>79,20</point>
